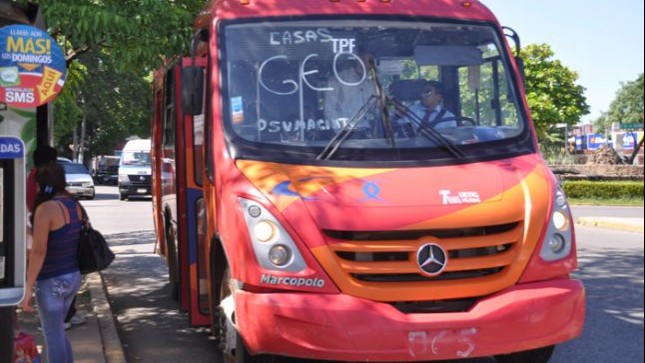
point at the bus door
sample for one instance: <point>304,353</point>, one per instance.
<point>196,258</point>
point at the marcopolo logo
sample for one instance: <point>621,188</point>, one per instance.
<point>292,281</point>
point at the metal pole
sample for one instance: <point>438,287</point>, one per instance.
<point>7,315</point>
<point>82,143</point>
<point>566,140</point>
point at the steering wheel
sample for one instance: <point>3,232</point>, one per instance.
<point>403,130</point>
<point>466,121</point>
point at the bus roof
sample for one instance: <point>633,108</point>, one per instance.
<point>455,9</point>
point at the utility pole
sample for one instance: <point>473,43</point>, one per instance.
<point>81,145</point>
<point>75,145</point>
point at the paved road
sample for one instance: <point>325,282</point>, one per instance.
<point>604,211</point>
<point>153,330</point>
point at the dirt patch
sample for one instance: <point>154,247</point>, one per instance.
<point>605,163</point>
<point>593,170</point>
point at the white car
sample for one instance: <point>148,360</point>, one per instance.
<point>79,180</point>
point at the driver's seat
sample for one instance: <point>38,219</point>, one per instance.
<point>406,90</point>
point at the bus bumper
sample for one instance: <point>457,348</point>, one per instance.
<point>342,327</point>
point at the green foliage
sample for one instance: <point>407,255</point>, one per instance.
<point>136,33</point>
<point>628,107</point>
<point>552,93</point>
<point>602,123</point>
<point>603,189</point>
<point>115,104</point>
<point>111,46</point>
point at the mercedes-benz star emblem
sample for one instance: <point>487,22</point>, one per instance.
<point>142,178</point>
<point>432,259</point>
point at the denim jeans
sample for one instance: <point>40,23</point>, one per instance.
<point>53,298</point>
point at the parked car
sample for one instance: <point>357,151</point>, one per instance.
<point>79,180</point>
<point>108,175</point>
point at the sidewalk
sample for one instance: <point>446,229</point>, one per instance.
<point>623,224</point>
<point>97,340</point>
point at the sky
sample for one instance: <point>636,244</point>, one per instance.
<point>601,40</point>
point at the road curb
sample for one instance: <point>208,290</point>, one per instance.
<point>112,348</point>
<point>612,223</point>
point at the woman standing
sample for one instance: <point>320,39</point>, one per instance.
<point>52,271</point>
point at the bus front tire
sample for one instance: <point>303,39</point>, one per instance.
<point>240,353</point>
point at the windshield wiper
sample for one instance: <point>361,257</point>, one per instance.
<point>346,130</point>
<point>380,99</point>
<point>383,102</point>
<point>427,131</point>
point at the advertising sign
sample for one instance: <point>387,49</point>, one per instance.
<point>32,66</point>
<point>580,142</point>
<point>629,140</point>
<point>594,141</point>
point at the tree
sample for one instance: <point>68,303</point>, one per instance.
<point>138,34</point>
<point>602,124</point>
<point>626,108</point>
<point>110,47</point>
<point>114,104</point>
<point>552,93</point>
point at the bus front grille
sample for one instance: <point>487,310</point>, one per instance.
<point>389,258</point>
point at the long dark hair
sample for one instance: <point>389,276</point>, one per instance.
<point>51,179</point>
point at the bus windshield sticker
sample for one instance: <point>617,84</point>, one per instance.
<point>237,110</point>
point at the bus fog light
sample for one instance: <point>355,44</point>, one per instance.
<point>264,231</point>
<point>279,255</point>
<point>556,243</point>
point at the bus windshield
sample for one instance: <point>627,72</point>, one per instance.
<point>135,158</point>
<point>355,90</point>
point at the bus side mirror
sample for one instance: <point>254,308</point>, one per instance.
<point>520,68</point>
<point>511,34</point>
<point>192,90</point>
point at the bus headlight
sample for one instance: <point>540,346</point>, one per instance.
<point>264,231</point>
<point>558,238</point>
<point>556,243</point>
<point>560,220</point>
<point>272,245</point>
<point>279,255</point>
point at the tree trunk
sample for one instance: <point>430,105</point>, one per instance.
<point>635,152</point>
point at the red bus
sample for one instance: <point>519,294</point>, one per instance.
<point>360,181</point>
